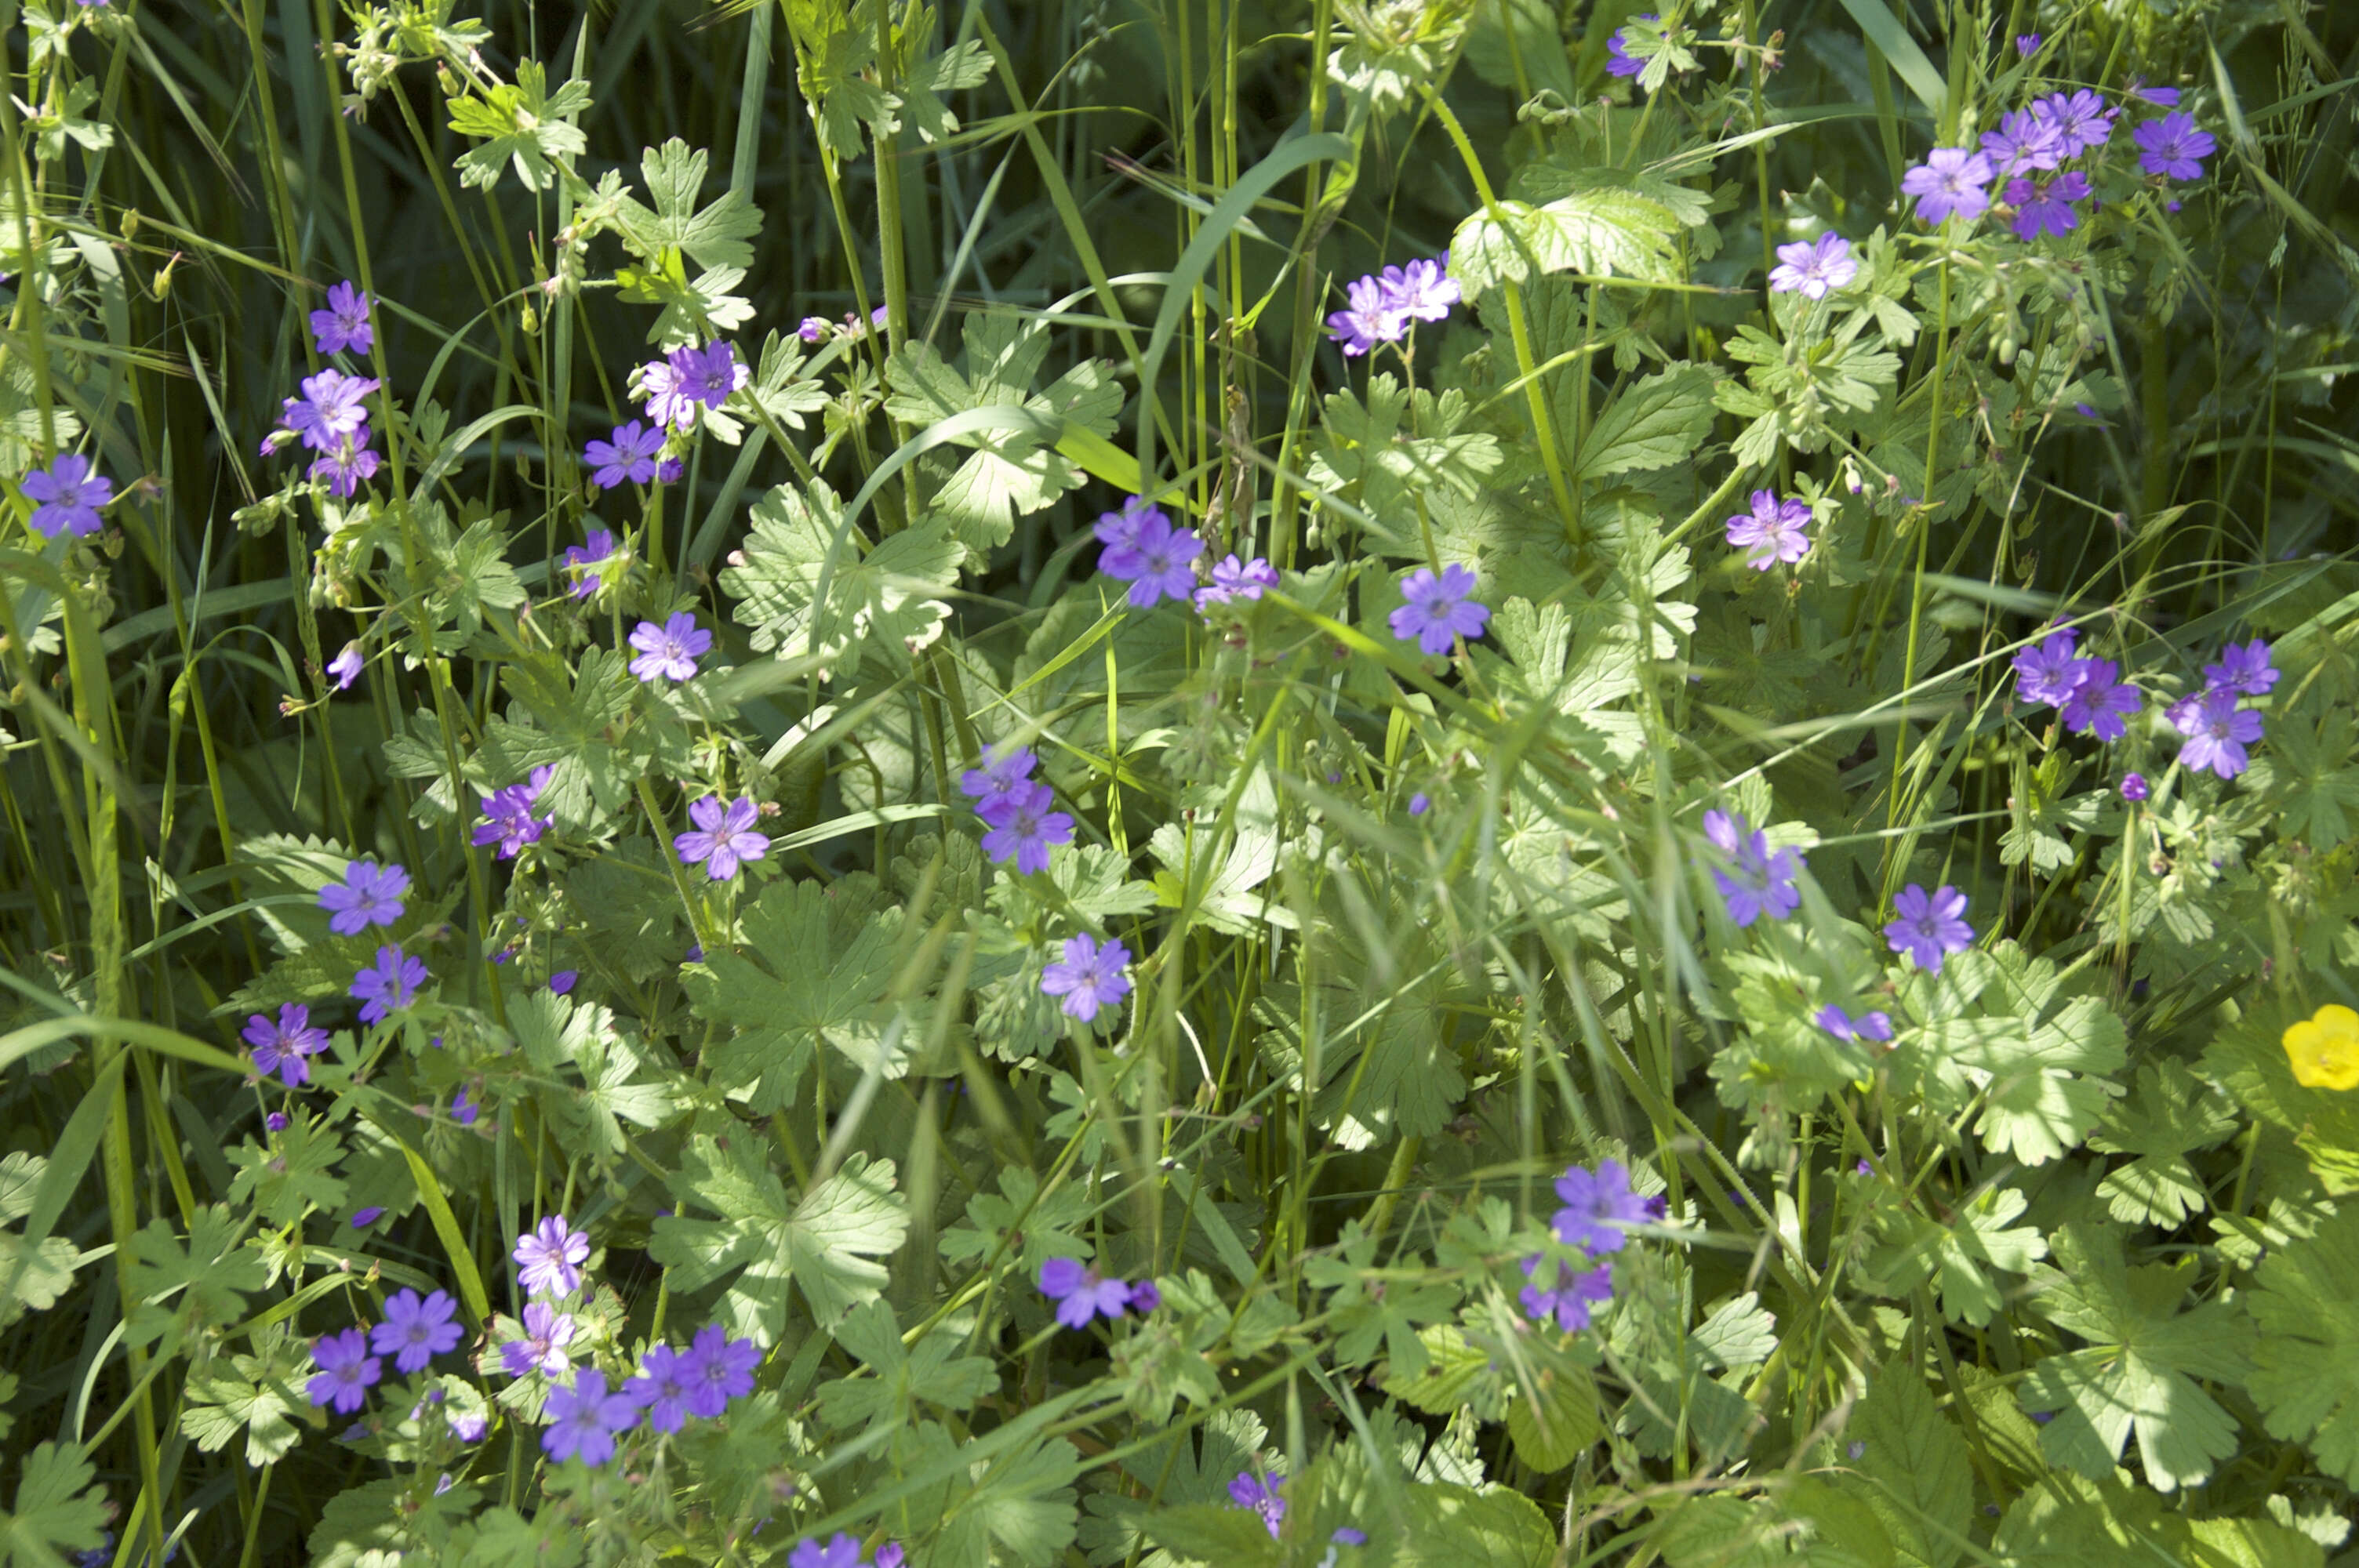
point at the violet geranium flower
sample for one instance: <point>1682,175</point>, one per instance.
<point>547,1332</point>
<point>2244,670</point>
<point>1618,59</point>
<point>1234,580</point>
<point>1950,182</point>
<point>630,456</point>
<point>2217,732</point>
<point>2045,207</point>
<point>2098,703</point>
<point>2024,141</point>
<point>723,837</point>
<point>1159,563</point>
<point>665,1380</point>
<point>585,1420</point>
<point>1258,1496</point>
<point>1813,267</point>
<point>1088,978</point>
<point>1369,317</point>
<point>346,1370</point>
<point>549,1258</point>
<point>389,984</point>
<point>1023,826</point>
<point>2173,147</point>
<point>1438,609</point>
<point>1005,767</point>
<point>369,895</point>
<point>2046,673</point>
<point>724,1370</point>
<point>1423,290</point>
<point>416,1331</point>
<point>2083,122</point>
<point>585,558</point>
<point>344,324</point>
<point>1843,1026</point>
<point>1575,1294</point>
<point>282,1047</point>
<point>66,496</point>
<point>1776,531</point>
<point>1599,1207</point>
<point>508,820</point>
<point>1081,1293</point>
<point>1759,881</point>
<point>669,651</point>
<point>1930,925</point>
<point>1118,530</point>
<point>346,666</point>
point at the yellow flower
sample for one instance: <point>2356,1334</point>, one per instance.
<point>2325,1049</point>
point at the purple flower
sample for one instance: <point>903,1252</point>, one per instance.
<point>631,455</point>
<point>1617,50</point>
<point>2045,675</point>
<point>2244,670</point>
<point>2097,703</point>
<point>1577,1293</point>
<point>1023,826</point>
<point>1760,882</point>
<point>366,1217</point>
<point>67,496</point>
<point>1370,317</point>
<point>1423,290</point>
<point>391,983</point>
<point>1145,1297</point>
<point>724,1370</point>
<point>1251,1492</point>
<point>842,1550</point>
<point>2027,44</point>
<point>415,1332</point>
<point>1233,579</point>
<point>467,1426</point>
<point>668,471</point>
<point>346,1370</point>
<point>1776,530</point>
<point>723,837</point>
<point>2217,732</point>
<point>1082,1294</point>
<point>669,651</point>
<point>346,666</point>
<point>814,329</point>
<point>1118,530</point>
<point>281,1047</point>
<point>2082,120</point>
<point>584,1418</point>
<point>2133,786</point>
<point>1843,1026</point>
<point>581,559</point>
<point>1811,267</point>
<point>708,374</point>
<point>2045,208</point>
<point>1005,767</point>
<point>665,1381</point>
<point>2173,147</point>
<point>1438,609</point>
<point>1597,1208</point>
<point>463,1110</point>
<point>547,1332</point>
<point>2024,140</point>
<point>1952,181</point>
<point>1419,803</point>
<point>344,324</point>
<point>2160,97</point>
<point>275,1121</point>
<point>508,820</point>
<point>1930,925</point>
<point>550,1256</point>
<point>348,463</point>
<point>369,895</point>
<point>328,410</point>
<point>1089,978</point>
<point>563,981</point>
<point>1156,563</point>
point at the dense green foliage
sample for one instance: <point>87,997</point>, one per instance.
<point>2007,1224</point>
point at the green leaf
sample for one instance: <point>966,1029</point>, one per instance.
<point>293,1177</point>
<point>1657,421</point>
<point>715,237</point>
<point>53,1513</point>
<point>832,951</point>
<point>620,1080</point>
<point>1038,1227</point>
<point>249,1394</point>
<point>1377,1311</point>
<point>1966,1254</point>
<point>1553,1430</point>
<point>1598,233</point>
<point>824,1243</point>
<point>2306,1374</point>
<point>522,125</point>
<point>2307,777</point>
<point>1457,1527</point>
<point>812,589</point>
<point>1365,453</point>
<point>2171,1116</point>
<point>1020,1512</point>
<point>931,1371</point>
<point>211,1278</point>
<point>2138,1374</point>
<point>1919,1484</point>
